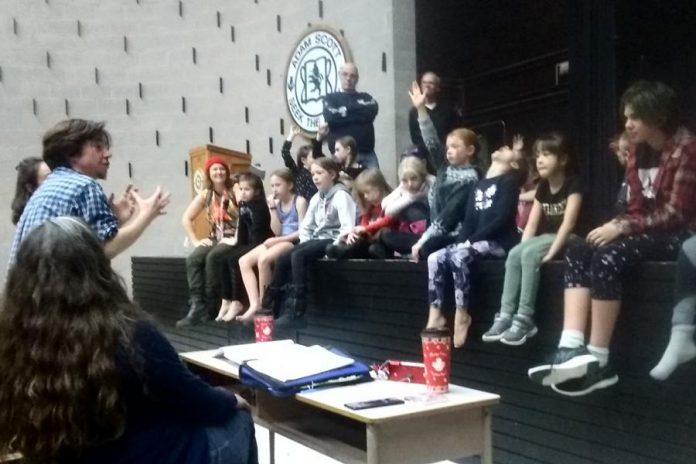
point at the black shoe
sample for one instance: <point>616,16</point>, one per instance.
<point>377,250</point>
<point>197,313</point>
<point>596,378</point>
<point>568,363</point>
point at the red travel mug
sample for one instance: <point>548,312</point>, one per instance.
<point>437,351</point>
<point>263,327</point>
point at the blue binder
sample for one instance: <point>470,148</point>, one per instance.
<point>353,373</point>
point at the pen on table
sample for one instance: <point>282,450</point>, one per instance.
<point>336,381</point>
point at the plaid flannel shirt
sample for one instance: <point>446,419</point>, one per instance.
<point>66,192</point>
<point>674,207</point>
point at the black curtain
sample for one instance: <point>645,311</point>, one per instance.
<point>593,107</point>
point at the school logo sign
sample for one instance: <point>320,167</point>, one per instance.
<point>312,72</point>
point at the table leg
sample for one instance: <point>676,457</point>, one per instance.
<point>271,446</point>
<point>487,455</point>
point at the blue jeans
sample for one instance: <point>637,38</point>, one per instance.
<point>368,160</point>
<point>233,442</point>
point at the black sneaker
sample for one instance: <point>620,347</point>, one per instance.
<point>568,363</point>
<point>596,378</point>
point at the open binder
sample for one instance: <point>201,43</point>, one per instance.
<point>300,368</point>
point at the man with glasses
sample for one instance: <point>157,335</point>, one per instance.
<point>440,114</point>
<point>352,113</point>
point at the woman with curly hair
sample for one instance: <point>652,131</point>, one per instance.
<point>88,379</point>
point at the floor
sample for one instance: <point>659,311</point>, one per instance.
<point>289,452</point>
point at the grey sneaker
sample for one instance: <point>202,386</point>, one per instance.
<point>566,364</point>
<point>500,325</point>
<point>521,329</point>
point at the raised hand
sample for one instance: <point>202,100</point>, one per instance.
<point>294,132</point>
<point>417,96</point>
<point>322,131</point>
<point>517,142</point>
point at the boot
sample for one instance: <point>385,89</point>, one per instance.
<point>198,312</point>
<point>295,302</point>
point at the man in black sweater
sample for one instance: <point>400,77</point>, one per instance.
<point>441,115</point>
<point>350,112</point>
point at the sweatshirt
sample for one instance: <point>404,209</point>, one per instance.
<point>329,215</point>
<point>491,211</point>
<point>167,407</point>
<point>449,195</point>
<point>254,222</point>
<point>351,113</point>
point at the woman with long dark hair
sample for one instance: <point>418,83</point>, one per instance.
<point>31,173</point>
<point>87,378</point>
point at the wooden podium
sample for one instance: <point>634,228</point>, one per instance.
<point>237,161</point>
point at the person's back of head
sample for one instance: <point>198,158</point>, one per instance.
<point>64,314</point>
<point>64,141</point>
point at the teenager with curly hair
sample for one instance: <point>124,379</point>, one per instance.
<point>88,379</point>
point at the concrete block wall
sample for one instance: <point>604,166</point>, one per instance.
<point>136,63</point>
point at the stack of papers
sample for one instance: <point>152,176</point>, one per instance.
<point>285,360</point>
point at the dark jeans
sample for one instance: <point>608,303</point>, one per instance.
<point>203,272</point>
<point>356,250</point>
<point>231,285</point>
<point>601,268</point>
<point>233,442</point>
<point>291,268</point>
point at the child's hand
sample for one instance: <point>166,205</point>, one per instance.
<point>271,201</point>
<point>269,242</point>
<point>322,131</point>
<point>231,241</point>
<point>352,238</point>
<point>415,253</point>
<point>295,131</point>
<point>517,142</point>
<point>417,96</point>
<point>358,230</point>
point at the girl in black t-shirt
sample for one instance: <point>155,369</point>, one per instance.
<point>549,228</point>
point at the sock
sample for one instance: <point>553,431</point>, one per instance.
<point>680,349</point>
<point>571,339</point>
<point>602,354</point>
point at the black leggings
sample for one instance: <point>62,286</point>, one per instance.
<point>600,268</point>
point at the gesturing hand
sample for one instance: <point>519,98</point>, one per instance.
<point>152,206</point>
<point>517,143</point>
<point>124,205</point>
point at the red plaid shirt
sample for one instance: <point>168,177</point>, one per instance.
<point>674,207</point>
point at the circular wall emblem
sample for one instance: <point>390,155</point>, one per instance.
<point>312,72</point>
<point>198,180</point>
